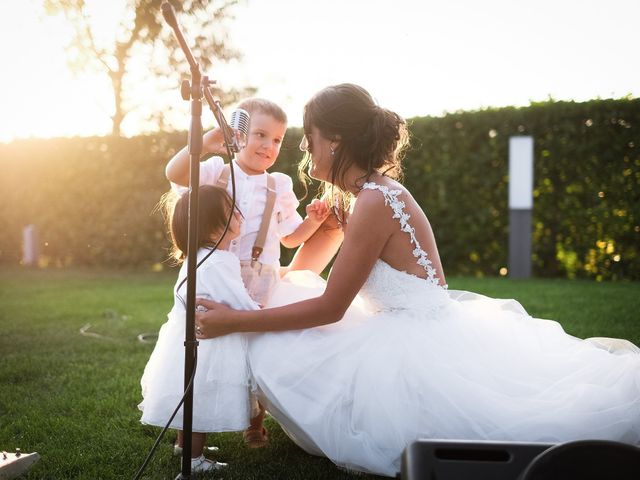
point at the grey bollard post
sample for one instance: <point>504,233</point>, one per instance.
<point>30,246</point>
<point>520,205</point>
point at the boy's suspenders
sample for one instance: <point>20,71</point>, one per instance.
<point>258,246</point>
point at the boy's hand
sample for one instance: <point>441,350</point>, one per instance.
<point>318,210</point>
<point>213,141</point>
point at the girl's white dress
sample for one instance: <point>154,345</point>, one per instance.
<point>412,360</point>
<point>222,381</point>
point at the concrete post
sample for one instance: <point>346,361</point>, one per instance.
<point>520,205</point>
<point>30,246</point>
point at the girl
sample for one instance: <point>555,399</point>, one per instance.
<point>221,384</point>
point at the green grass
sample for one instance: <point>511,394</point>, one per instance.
<point>73,398</point>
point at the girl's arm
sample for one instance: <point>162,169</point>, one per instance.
<point>362,246</point>
<point>177,169</point>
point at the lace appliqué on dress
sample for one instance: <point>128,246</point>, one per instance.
<point>391,199</point>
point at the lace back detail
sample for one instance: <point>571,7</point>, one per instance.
<point>391,199</point>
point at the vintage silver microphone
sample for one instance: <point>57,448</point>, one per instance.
<point>240,124</point>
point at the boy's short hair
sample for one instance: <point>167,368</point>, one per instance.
<point>262,105</point>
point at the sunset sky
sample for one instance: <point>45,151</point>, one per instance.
<point>418,57</point>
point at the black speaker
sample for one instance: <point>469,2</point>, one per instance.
<point>473,460</point>
<point>586,460</point>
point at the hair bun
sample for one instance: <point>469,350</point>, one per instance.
<point>371,137</point>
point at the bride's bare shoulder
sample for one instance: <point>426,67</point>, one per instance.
<point>385,190</point>
<point>368,201</point>
<point>374,203</point>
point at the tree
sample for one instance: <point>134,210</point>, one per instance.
<point>140,38</point>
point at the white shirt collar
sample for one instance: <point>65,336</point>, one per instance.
<point>238,171</point>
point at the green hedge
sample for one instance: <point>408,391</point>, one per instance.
<point>586,186</point>
<point>92,199</point>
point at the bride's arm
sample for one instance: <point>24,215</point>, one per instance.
<point>368,231</point>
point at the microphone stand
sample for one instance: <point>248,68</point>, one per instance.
<point>192,90</point>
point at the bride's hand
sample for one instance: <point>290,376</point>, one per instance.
<point>211,319</point>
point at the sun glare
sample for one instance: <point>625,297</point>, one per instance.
<point>40,97</point>
<point>416,57</point>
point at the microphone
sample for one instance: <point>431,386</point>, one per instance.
<point>240,125</point>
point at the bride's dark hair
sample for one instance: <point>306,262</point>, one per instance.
<point>368,136</point>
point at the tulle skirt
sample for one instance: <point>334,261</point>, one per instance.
<point>474,368</point>
<point>221,385</point>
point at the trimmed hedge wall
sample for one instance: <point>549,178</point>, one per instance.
<point>92,199</point>
<point>586,186</point>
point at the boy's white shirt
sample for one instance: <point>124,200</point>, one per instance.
<point>251,198</point>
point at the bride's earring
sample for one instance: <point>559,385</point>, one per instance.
<point>334,144</point>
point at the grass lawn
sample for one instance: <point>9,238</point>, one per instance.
<point>73,398</point>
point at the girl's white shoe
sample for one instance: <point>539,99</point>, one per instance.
<point>202,464</point>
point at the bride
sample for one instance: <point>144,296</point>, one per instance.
<point>383,354</point>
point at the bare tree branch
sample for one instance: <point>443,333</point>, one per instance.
<point>139,42</point>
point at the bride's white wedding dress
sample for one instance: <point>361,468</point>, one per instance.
<point>412,360</point>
